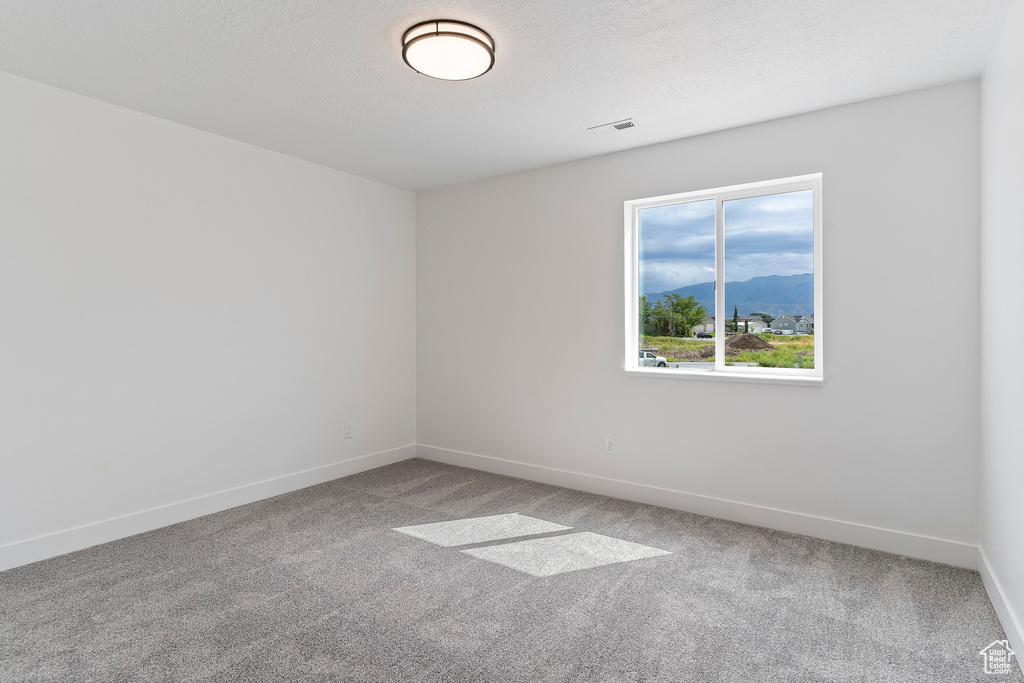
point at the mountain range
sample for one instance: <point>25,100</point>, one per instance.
<point>772,294</point>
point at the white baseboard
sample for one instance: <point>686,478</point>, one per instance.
<point>68,540</point>
<point>1007,617</point>
<point>912,545</point>
<point>897,542</point>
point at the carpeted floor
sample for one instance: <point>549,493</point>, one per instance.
<point>317,585</point>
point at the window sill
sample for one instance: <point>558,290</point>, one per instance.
<point>748,377</point>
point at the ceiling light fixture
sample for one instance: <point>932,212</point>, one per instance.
<point>449,50</point>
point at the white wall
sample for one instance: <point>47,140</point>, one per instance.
<point>520,347</point>
<point>182,314</point>
<point>1002,286</point>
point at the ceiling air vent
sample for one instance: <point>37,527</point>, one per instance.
<point>605,128</point>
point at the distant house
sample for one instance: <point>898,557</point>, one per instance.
<point>749,323</point>
<point>784,324</point>
<point>793,324</point>
<point>754,324</point>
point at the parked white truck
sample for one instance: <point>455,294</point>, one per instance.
<point>649,360</point>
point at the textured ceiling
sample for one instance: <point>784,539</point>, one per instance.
<point>324,80</point>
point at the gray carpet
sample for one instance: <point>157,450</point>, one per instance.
<point>316,586</point>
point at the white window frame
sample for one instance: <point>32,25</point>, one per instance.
<point>722,371</point>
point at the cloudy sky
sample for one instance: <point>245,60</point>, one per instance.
<point>770,235</point>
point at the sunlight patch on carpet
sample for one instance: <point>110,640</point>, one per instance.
<point>480,529</point>
<point>561,554</point>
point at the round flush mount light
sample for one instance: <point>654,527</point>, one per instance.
<point>449,50</point>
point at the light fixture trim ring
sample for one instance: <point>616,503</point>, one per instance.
<point>437,33</point>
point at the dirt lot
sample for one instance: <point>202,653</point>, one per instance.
<point>688,349</point>
<point>737,344</point>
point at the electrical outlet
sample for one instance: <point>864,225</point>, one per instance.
<point>348,430</point>
<point>609,446</point>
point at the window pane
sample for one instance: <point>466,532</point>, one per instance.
<point>677,284</point>
<point>769,279</point>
